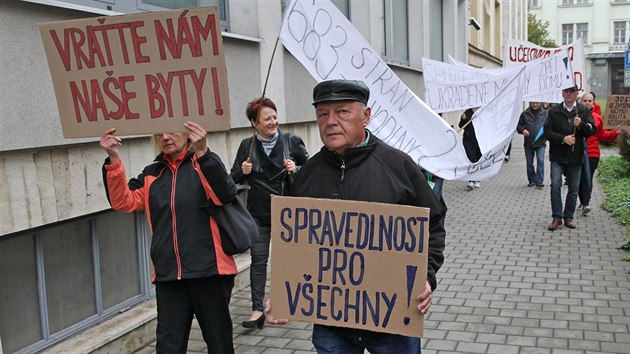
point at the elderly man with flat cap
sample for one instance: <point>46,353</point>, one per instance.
<point>356,165</point>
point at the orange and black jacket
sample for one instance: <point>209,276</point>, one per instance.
<point>185,239</point>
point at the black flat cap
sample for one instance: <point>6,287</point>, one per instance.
<point>341,90</point>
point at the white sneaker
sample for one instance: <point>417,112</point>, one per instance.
<point>470,186</point>
<point>477,184</point>
<point>586,209</point>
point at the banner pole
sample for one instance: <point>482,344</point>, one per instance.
<point>273,54</point>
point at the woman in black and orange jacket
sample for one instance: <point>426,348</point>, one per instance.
<point>192,274</point>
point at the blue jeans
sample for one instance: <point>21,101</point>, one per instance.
<point>572,173</point>
<point>536,176</point>
<point>327,341</point>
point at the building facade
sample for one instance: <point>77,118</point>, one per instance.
<point>603,25</point>
<point>67,261</point>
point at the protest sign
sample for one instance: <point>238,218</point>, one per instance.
<point>141,73</point>
<point>322,39</point>
<point>518,52</point>
<point>617,112</point>
<point>349,264</point>
<point>457,86</point>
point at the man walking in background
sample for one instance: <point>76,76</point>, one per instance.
<point>530,125</point>
<point>566,127</point>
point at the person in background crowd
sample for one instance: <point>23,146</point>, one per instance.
<point>275,156</point>
<point>566,127</point>
<point>356,165</point>
<point>530,125</point>
<point>507,153</point>
<point>192,275</point>
<point>593,152</point>
<point>470,142</point>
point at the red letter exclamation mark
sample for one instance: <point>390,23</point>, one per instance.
<point>217,95</point>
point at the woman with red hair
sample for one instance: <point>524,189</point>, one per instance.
<point>266,167</point>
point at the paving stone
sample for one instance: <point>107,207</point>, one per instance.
<point>584,344</point>
<point>300,344</point>
<point>248,349</point>
<point>440,345</point>
<point>521,340</point>
<point>491,338</point>
<point>560,343</point>
<point>472,347</point>
<point>451,326</point>
<point>615,347</point>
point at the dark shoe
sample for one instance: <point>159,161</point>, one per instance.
<point>554,225</point>
<point>259,322</point>
<point>539,185</point>
<point>531,184</point>
<point>569,223</point>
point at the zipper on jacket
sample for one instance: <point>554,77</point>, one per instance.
<point>174,223</point>
<point>343,171</point>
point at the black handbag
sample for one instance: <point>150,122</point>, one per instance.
<point>237,228</point>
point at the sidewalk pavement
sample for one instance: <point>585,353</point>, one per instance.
<point>508,285</point>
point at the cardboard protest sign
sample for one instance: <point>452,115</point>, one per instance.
<point>141,73</point>
<point>617,112</point>
<point>349,264</point>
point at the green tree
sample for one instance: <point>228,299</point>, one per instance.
<point>538,32</point>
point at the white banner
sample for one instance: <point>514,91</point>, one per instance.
<point>330,47</point>
<point>457,86</point>
<point>518,52</point>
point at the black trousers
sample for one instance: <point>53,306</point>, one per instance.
<point>206,298</point>
<point>258,269</point>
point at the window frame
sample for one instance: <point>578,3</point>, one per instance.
<point>567,35</point>
<point>580,33</point>
<point>389,47</point>
<point>624,30</point>
<point>146,289</point>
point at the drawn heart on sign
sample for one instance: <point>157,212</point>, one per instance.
<point>307,277</point>
<point>109,72</point>
<point>101,20</point>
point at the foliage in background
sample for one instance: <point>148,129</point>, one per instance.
<point>624,145</point>
<point>538,32</point>
<point>614,176</point>
<point>602,104</point>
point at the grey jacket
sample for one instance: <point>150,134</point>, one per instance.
<point>533,121</point>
